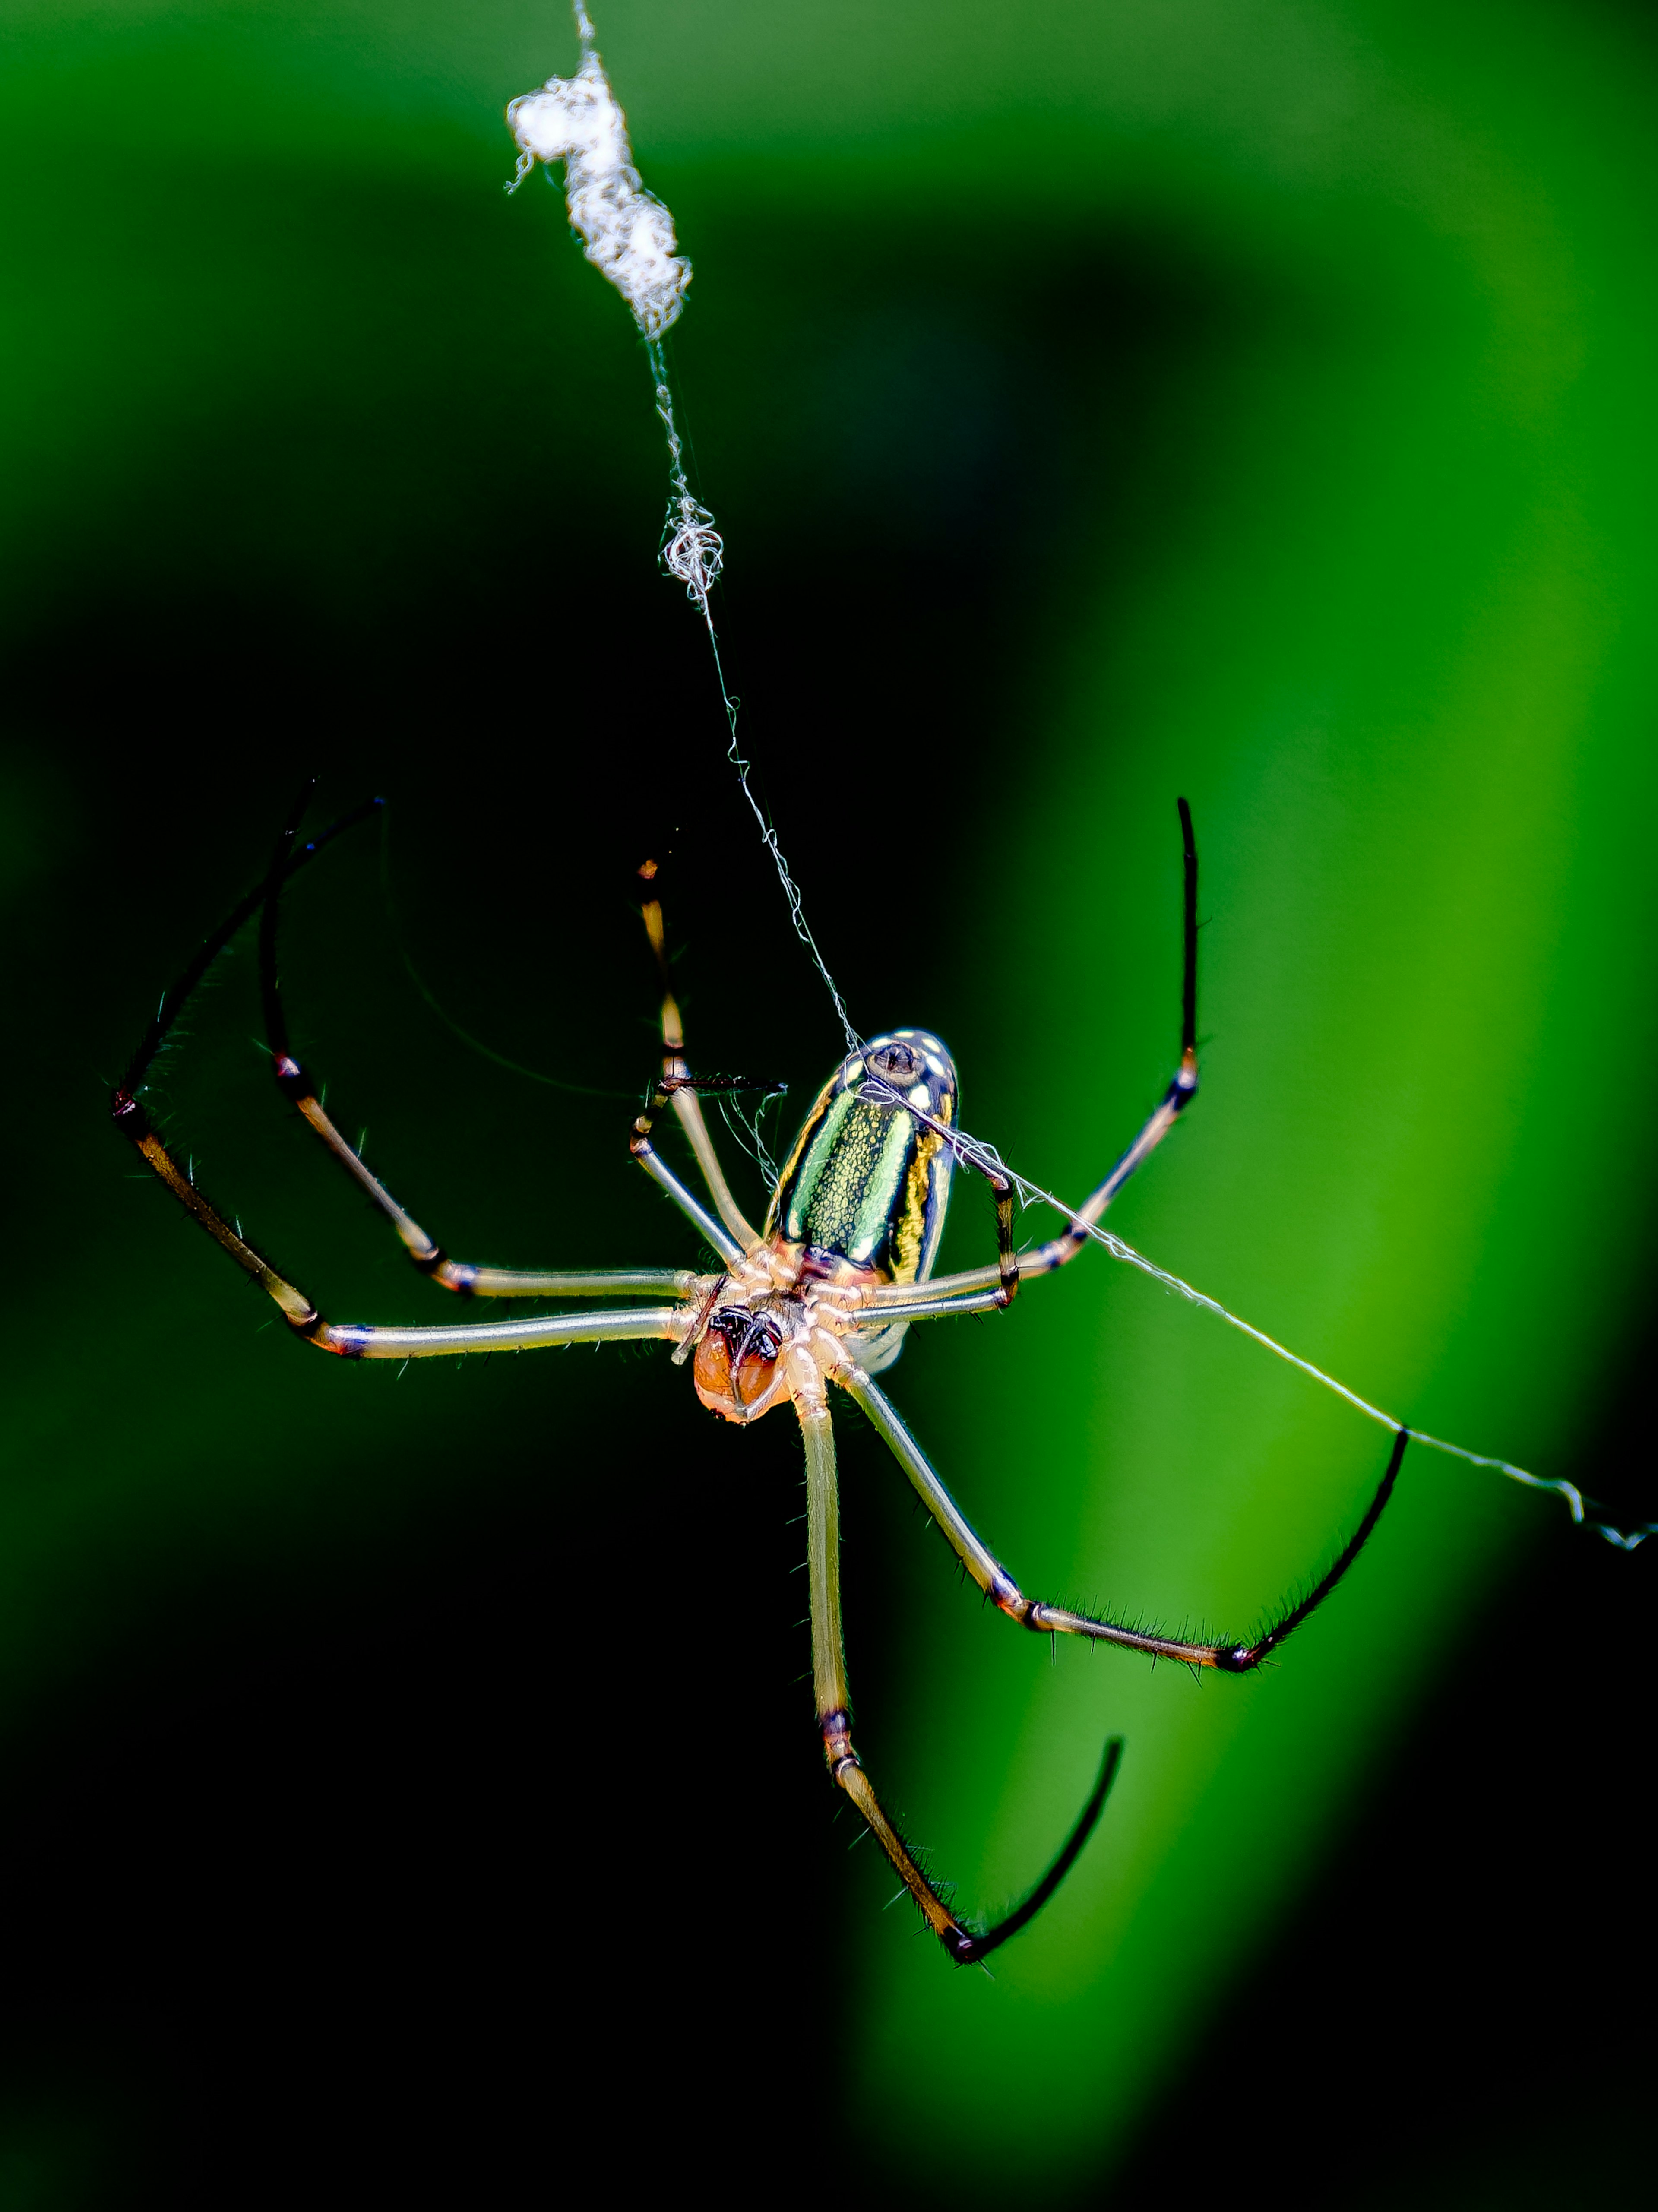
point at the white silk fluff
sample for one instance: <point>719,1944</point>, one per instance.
<point>627,233</point>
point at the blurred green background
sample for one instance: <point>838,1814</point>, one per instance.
<point>1099,403</point>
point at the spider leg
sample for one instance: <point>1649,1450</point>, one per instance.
<point>1231,1656</point>
<point>933,1300</point>
<point>961,1293</point>
<point>364,1341</point>
<point>1007,1260</point>
<point>134,1123</point>
<point>608,1325</point>
<point>713,1233</point>
<point>687,1106</point>
<point>963,1944</point>
<point>1175,1101</point>
<point>430,1257</point>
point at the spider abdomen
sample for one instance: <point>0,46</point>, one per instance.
<point>867,1182</point>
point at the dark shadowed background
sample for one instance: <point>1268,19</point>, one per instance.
<point>402,1775</point>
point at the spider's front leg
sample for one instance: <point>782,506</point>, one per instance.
<point>963,1944</point>
<point>732,1236</point>
<point>980,1290</point>
<point>1230,1655</point>
<point>676,1088</point>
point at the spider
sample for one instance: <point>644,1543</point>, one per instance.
<point>822,1294</point>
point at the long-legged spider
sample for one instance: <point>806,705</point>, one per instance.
<point>823,1293</point>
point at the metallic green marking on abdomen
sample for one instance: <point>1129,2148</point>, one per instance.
<point>869,1183</point>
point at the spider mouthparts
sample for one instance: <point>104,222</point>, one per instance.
<point>735,1370</point>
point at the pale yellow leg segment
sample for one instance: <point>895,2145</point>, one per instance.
<point>686,1103</point>
<point>463,1275</point>
<point>1231,1657</point>
<point>828,1666</point>
<point>367,1341</point>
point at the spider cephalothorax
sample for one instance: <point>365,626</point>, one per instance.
<point>821,1295</point>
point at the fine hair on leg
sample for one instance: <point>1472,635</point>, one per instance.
<point>962,1943</point>
<point>1230,1654</point>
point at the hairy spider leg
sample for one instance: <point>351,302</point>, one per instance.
<point>1007,1259</point>
<point>934,1301</point>
<point>359,1341</point>
<point>461,1276</point>
<point>1230,1655</point>
<point>675,1079</point>
<point>732,1236</point>
<point>963,1944</point>
<point>366,1340</point>
<point>184,988</point>
<point>964,1293</point>
<point>713,1233</point>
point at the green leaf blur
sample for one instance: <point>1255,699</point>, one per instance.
<point>1274,385</point>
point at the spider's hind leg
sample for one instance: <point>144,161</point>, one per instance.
<point>965,1945</point>
<point>1230,1657</point>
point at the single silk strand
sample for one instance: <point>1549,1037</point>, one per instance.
<point>1625,1539</point>
<point>629,236</point>
<point>694,553</point>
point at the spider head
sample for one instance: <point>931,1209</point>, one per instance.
<point>736,1372</point>
<point>895,1061</point>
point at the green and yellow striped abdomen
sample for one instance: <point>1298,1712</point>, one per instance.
<point>866,1186</point>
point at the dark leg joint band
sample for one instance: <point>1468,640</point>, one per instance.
<point>835,1728</point>
<point>129,1116</point>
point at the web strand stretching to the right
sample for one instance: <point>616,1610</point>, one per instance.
<point>972,1153</point>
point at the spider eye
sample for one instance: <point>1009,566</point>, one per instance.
<point>895,1063</point>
